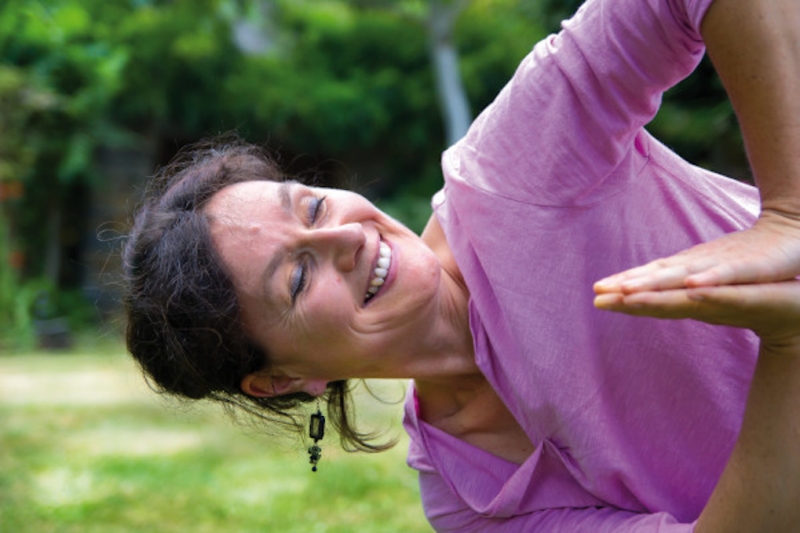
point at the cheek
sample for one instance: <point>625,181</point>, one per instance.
<point>327,318</point>
<point>428,285</point>
<point>331,298</point>
<point>426,269</point>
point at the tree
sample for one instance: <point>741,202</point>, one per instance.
<point>441,22</point>
<point>339,88</point>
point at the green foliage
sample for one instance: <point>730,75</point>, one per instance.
<point>697,120</point>
<point>27,305</point>
<point>12,325</point>
<point>20,99</point>
<point>179,54</point>
<point>413,210</point>
<point>343,89</point>
<point>553,12</point>
<point>75,75</point>
<point>57,81</point>
<point>493,37</point>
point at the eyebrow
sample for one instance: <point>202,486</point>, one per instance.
<point>285,195</point>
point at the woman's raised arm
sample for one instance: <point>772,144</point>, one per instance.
<point>755,47</point>
<point>760,487</point>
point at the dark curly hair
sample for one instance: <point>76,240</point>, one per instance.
<point>184,325</point>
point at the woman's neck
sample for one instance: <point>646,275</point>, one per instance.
<point>451,353</point>
<point>453,394</point>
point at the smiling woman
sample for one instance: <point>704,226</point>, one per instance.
<point>184,326</point>
<point>306,267</point>
<point>530,406</point>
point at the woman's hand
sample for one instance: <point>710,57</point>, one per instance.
<point>747,279</point>
<point>755,48</point>
<point>767,252</point>
<point>772,310</point>
<point>760,487</point>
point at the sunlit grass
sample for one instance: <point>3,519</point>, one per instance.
<point>85,447</point>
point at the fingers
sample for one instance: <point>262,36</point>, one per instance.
<point>764,253</point>
<point>662,274</point>
<point>685,271</point>
<point>701,264</point>
<point>734,271</point>
<point>676,303</point>
<point>772,310</point>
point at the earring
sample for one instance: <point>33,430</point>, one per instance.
<point>316,430</point>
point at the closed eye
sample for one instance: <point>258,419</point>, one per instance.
<point>299,277</point>
<point>315,209</point>
<point>298,280</point>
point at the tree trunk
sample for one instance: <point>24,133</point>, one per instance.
<point>450,87</point>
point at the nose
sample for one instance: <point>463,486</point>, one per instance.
<point>341,244</point>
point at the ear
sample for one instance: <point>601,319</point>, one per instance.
<point>263,384</point>
<point>267,385</point>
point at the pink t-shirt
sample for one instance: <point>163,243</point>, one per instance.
<point>556,185</point>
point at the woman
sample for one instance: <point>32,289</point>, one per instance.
<point>530,409</point>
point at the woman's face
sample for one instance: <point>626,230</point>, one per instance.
<point>329,286</point>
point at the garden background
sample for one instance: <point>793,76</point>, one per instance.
<point>95,95</point>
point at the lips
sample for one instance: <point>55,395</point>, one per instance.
<point>379,272</point>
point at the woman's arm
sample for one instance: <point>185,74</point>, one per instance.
<point>755,47</point>
<point>760,487</point>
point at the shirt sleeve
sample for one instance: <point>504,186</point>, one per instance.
<point>573,112</point>
<point>446,513</point>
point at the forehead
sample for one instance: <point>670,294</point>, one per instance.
<point>248,222</point>
<point>246,199</point>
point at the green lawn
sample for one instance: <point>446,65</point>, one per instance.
<point>85,447</point>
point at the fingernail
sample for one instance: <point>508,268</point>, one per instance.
<point>601,301</point>
<point>695,296</point>
<point>604,285</point>
<point>606,301</point>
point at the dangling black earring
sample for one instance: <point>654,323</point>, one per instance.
<point>316,430</point>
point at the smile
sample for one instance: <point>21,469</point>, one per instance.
<point>380,272</point>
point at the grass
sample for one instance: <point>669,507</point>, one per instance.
<point>85,447</point>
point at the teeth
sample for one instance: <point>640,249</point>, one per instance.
<point>380,272</point>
